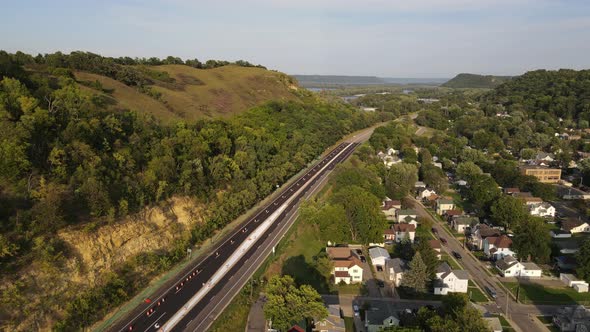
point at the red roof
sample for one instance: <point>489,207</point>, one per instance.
<point>296,328</point>
<point>502,241</point>
<point>404,228</point>
<point>391,204</point>
<point>342,274</point>
<point>388,231</point>
<point>453,212</point>
<point>435,244</point>
<point>511,190</point>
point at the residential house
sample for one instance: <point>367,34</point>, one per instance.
<point>544,210</point>
<point>388,235</point>
<point>389,207</point>
<point>378,256</point>
<point>296,328</point>
<point>574,319</point>
<point>347,267</point>
<point>510,267</point>
<point>424,193</point>
<point>522,194</point>
<point>402,215</point>
<point>396,267</point>
<point>543,174</point>
<point>531,200</point>
<point>436,246</point>
<point>570,280</point>
<point>480,232</point>
<point>443,205</point>
<point>497,247</point>
<point>333,323</point>
<point>389,161</point>
<point>494,324</point>
<point>560,234</point>
<point>460,223</point>
<point>450,281</point>
<point>511,191</point>
<point>419,184</point>
<point>461,183</point>
<point>392,151</point>
<point>377,318</point>
<point>450,214</point>
<point>573,193</point>
<point>575,226</point>
<point>403,231</point>
<point>542,156</point>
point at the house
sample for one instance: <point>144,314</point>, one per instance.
<point>560,234</point>
<point>480,232</point>
<point>575,226</point>
<point>450,281</point>
<point>389,207</point>
<point>437,164</point>
<point>403,231</point>
<point>346,266</point>
<point>296,328</point>
<point>565,263</point>
<point>377,318</point>
<point>542,210</point>
<point>419,184</point>
<point>401,215</point>
<point>522,194</point>
<point>494,324</point>
<point>497,247</point>
<point>511,191</point>
<point>389,235</point>
<point>510,267</point>
<point>543,174</point>
<point>460,223</point>
<point>529,200</point>
<point>573,319</point>
<point>392,151</point>
<point>542,156</point>
<point>333,323</point>
<point>461,183</point>
<point>396,268</point>
<point>378,256</point>
<point>443,205</point>
<point>570,280</point>
<point>389,161</point>
<point>449,214</point>
<point>573,193</point>
<point>435,245</point>
<point>424,193</point>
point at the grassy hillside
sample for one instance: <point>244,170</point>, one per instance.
<point>190,93</point>
<point>475,81</point>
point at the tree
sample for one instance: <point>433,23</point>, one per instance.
<point>365,220</point>
<point>583,259</point>
<point>456,307</point>
<point>434,177</point>
<point>532,240</point>
<point>400,179</point>
<point>417,276</point>
<point>508,211</point>
<point>286,303</point>
<point>409,155</point>
<point>428,255</point>
<point>467,170</point>
<point>483,191</point>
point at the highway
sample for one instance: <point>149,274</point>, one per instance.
<point>175,308</point>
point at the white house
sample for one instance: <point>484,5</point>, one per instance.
<point>425,193</point>
<point>542,210</point>
<point>497,247</point>
<point>480,232</point>
<point>389,207</point>
<point>396,268</point>
<point>392,151</point>
<point>575,226</point>
<point>389,161</point>
<point>462,222</point>
<point>510,267</point>
<point>419,184</point>
<point>378,256</point>
<point>571,281</point>
<point>347,268</point>
<point>450,281</point>
<point>443,205</point>
<point>402,215</point>
<point>403,231</point>
<point>560,234</point>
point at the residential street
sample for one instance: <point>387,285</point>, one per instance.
<point>521,316</point>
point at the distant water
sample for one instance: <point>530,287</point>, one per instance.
<point>410,80</point>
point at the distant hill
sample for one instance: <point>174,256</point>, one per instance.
<point>476,81</point>
<point>310,81</point>
<point>190,93</point>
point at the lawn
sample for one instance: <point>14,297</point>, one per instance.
<point>537,294</point>
<point>349,324</point>
<point>352,289</point>
<point>476,294</point>
<point>505,324</point>
<point>451,261</point>
<point>407,295</point>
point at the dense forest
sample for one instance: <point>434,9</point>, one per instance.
<point>473,81</point>
<point>67,162</point>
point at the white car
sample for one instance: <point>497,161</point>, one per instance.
<point>355,308</point>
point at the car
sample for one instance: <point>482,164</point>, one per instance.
<point>443,240</point>
<point>355,308</point>
<point>457,255</point>
<point>380,283</point>
<point>363,259</point>
<point>434,230</point>
<point>358,251</point>
<point>491,291</point>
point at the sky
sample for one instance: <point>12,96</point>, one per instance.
<point>386,38</point>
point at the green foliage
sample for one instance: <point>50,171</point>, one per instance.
<point>508,211</point>
<point>400,179</point>
<point>532,240</point>
<point>583,259</point>
<point>287,304</point>
<point>468,171</point>
<point>417,277</point>
<point>465,80</point>
<point>434,177</point>
<point>483,190</point>
<point>428,256</point>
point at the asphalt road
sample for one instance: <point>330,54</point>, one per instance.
<point>520,314</point>
<point>168,301</point>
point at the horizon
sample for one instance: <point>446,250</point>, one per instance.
<point>421,39</point>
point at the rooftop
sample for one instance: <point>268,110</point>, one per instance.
<point>377,252</point>
<point>404,228</point>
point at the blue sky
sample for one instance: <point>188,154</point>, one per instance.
<point>394,38</point>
